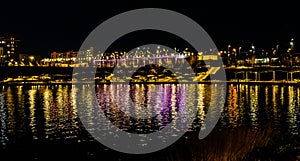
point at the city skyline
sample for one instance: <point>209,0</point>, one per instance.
<point>51,27</point>
<point>122,45</point>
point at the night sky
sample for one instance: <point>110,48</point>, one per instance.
<point>50,26</point>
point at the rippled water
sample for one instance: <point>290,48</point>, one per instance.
<point>45,115</point>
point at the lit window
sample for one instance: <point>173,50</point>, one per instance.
<point>12,49</point>
<point>8,52</point>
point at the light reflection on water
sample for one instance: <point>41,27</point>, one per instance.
<point>3,117</point>
<point>32,124</point>
<point>50,112</point>
<point>148,108</point>
<point>257,105</point>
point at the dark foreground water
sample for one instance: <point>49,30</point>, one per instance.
<point>258,122</point>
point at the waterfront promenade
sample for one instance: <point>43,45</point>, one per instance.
<point>65,75</point>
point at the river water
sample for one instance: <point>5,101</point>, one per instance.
<point>258,121</point>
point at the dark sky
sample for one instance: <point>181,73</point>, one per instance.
<point>47,26</point>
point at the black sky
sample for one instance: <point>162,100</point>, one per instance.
<point>47,26</point>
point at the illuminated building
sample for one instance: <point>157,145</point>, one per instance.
<point>62,59</point>
<point>29,59</point>
<point>9,49</point>
<point>70,58</point>
<point>85,56</point>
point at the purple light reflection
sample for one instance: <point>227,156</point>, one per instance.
<point>161,100</point>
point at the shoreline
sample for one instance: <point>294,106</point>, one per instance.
<point>292,83</point>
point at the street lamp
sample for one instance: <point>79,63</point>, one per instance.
<point>31,58</point>
<point>234,50</point>
<point>229,46</point>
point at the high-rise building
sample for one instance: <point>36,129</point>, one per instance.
<point>9,49</point>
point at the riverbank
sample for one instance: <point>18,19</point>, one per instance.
<point>290,83</point>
